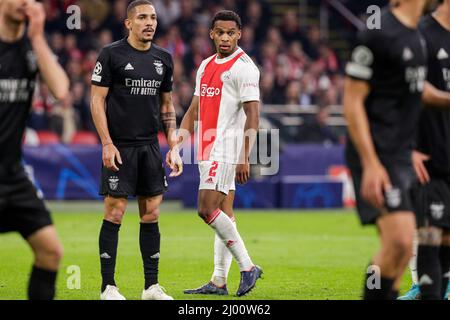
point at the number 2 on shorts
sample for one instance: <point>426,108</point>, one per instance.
<point>212,171</point>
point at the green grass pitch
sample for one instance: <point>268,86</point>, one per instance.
<point>305,255</point>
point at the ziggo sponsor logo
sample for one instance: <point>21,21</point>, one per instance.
<point>209,91</point>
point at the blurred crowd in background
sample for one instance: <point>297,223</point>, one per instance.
<point>297,65</point>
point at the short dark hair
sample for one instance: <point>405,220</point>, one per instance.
<point>226,15</point>
<point>135,3</point>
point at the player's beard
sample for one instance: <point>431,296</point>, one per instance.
<point>146,40</point>
<point>227,52</point>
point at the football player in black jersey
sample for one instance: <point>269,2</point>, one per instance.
<point>131,93</point>
<point>431,162</point>
<point>382,101</point>
<point>24,53</point>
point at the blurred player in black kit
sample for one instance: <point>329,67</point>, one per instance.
<point>131,93</point>
<point>24,54</point>
<point>432,163</point>
<point>386,78</point>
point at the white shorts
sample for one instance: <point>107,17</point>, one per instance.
<point>217,176</point>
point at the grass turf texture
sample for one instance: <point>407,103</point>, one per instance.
<point>304,254</point>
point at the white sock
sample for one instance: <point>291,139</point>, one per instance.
<point>222,261</point>
<point>229,235</point>
<point>413,261</point>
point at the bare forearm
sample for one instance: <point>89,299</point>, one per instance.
<point>169,122</point>
<point>187,125</point>
<point>358,128</point>
<point>50,70</point>
<point>250,131</point>
<point>188,121</point>
<point>433,97</point>
<point>99,118</point>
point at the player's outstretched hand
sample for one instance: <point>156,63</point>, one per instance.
<point>242,173</point>
<point>36,17</point>
<point>173,160</point>
<point>109,156</point>
<point>418,159</point>
<point>375,181</point>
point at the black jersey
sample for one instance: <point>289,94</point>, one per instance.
<point>135,79</point>
<point>18,70</point>
<point>393,62</point>
<point>434,124</point>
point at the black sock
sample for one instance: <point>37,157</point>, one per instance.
<point>384,292</point>
<point>374,292</point>
<point>42,284</point>
<point>149,241</point>
<point>429,272</point>
<point>393,294</point>
<point>444,256</point>
<point>108,240</point>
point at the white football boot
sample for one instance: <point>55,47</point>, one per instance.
<point>111,293</point>
<point>155,292</point>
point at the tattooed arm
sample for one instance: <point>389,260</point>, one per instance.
<point>168,119</point>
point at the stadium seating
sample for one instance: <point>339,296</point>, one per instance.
<point>162,139</point>
<point>85,138</point>
<point>48,137</point>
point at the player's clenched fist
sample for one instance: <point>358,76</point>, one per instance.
<point>36,17</point>
<point>109,156</point>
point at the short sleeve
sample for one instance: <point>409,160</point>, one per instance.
<point>363,56</point>
<point>167,83</point>
<point>198,79</point>
<point>248,83</point>
<point>102,73</point>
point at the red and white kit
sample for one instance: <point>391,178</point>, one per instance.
<point>223,86</point>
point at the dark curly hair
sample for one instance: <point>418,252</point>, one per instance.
<point>226,15</point>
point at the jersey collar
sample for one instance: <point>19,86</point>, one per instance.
<point>231,57</point>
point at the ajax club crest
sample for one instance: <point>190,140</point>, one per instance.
<point>113,182</point>
<point>158,67</point>
<point>225,76</point>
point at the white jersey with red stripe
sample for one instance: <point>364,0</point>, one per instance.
<point>223,86</point>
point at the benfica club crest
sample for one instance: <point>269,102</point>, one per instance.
<point>158,67</point>
<point>113,182</point>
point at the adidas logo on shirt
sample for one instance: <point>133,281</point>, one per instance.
<point>407,54</point>
<point>442,54</point>
<point>129,67</point>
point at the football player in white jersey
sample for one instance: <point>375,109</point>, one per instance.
<point>225,104</point>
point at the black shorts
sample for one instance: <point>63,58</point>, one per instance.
<point>21,206</point>
<point>402,178</point>
<point>141,173</point>
<point>432,203</point>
